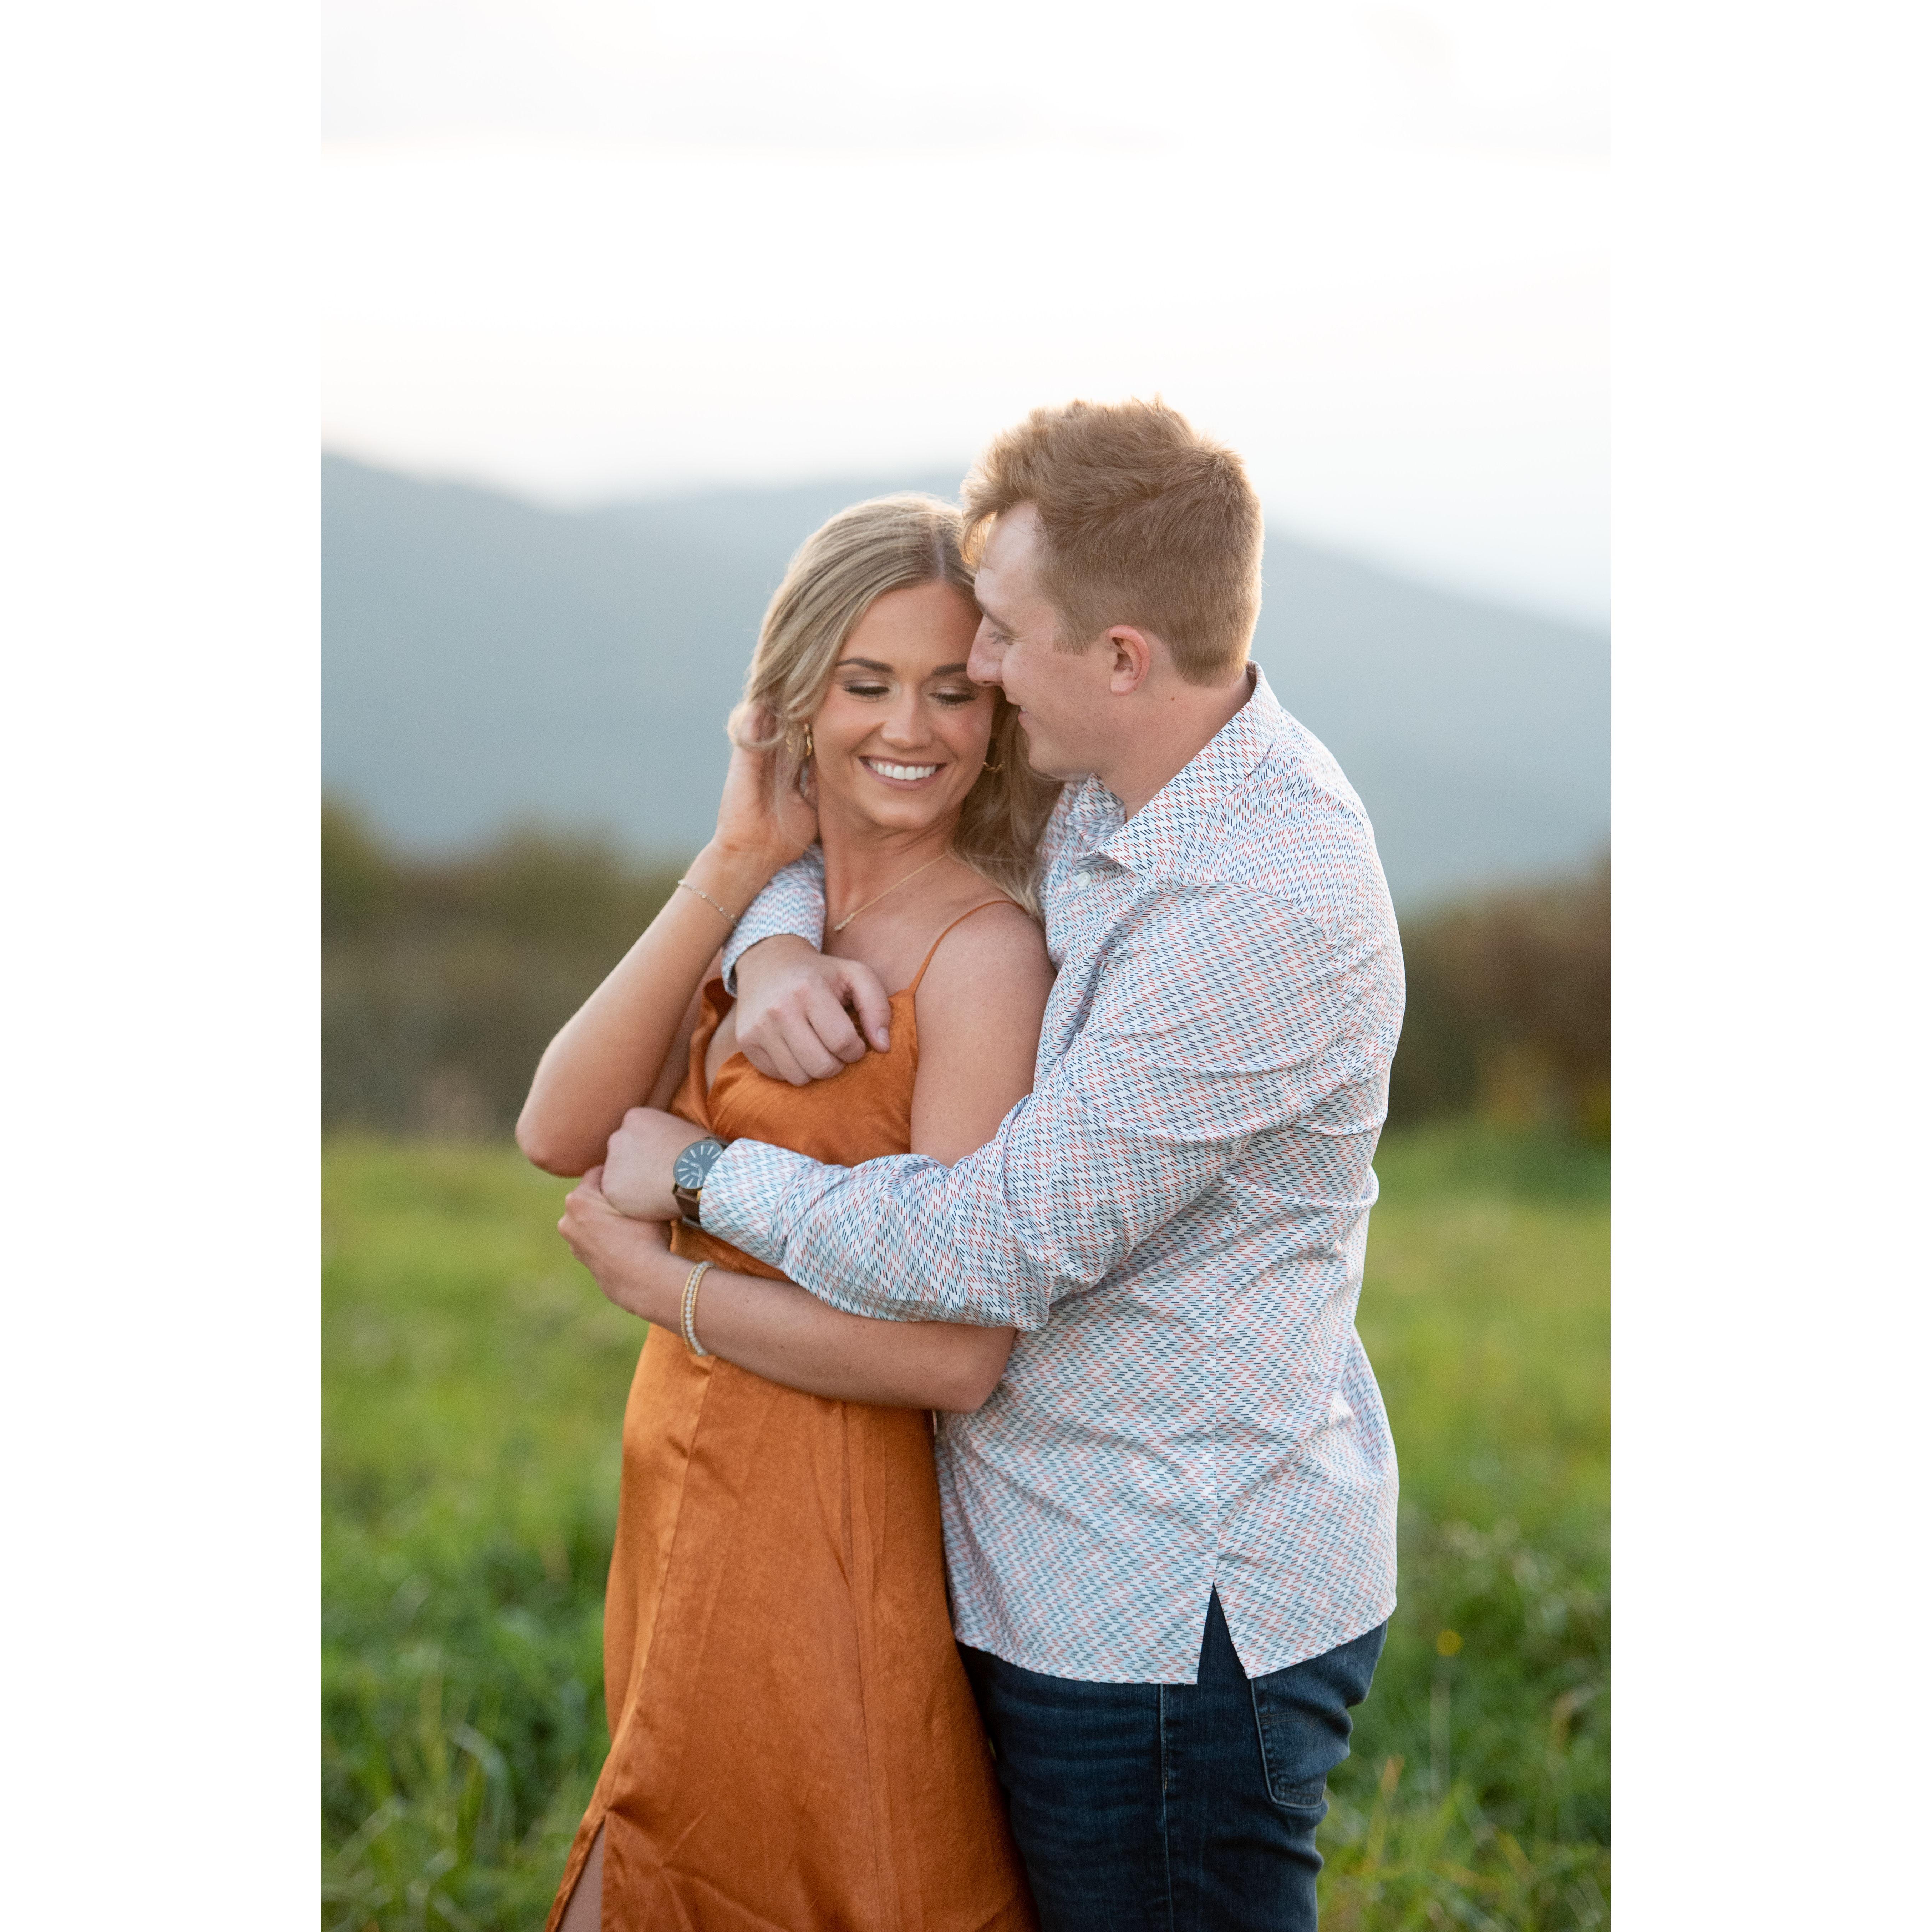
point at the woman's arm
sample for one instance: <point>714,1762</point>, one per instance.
<point>979,1010</point>
<point>779,1330</point>
<point>785,1333</point>
<point>615,1049</point>
<point>614,1052</point>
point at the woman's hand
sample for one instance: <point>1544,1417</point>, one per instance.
<point>758,834</point>
<point>750,821</point>
<point>631,1261</point>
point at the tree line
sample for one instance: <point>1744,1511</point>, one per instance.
<point>443,981</point>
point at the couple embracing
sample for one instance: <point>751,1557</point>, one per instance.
<point>984,1129</point>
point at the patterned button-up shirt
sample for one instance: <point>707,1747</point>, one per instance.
<point>1175,1220</point>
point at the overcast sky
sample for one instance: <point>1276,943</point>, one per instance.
<point>583,249</point>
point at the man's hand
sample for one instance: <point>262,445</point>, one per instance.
<point>637,1163</point>
<point>791,1016</point>
<point>631,1261</point>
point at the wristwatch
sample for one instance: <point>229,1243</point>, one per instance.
<point>687,1177</point>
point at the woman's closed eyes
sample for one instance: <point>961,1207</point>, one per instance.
<point>952,699</point>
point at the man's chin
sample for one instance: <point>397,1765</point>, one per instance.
<point>1043,760</point>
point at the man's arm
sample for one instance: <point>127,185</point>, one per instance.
<point>777,1330</point>
<point>793,902</point>
<point>1232,1017</point>
<point>799,1013</point>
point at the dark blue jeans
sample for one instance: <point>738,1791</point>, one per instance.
<point>1174,1808</point>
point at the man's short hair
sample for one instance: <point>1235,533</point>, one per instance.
<point>1142,521</point>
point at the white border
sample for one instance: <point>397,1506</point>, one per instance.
<point>158,1405</point>
<point>1771,634</point>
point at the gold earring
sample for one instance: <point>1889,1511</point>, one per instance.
<point>808,741</point>
<point>992,765</point>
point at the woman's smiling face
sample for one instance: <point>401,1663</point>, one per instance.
<point>901,736</point>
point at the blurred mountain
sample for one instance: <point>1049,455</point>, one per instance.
<point>486,662</point>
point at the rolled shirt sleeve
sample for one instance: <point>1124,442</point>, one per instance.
<point>793,901</point>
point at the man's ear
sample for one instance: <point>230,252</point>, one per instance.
<point>1133,651</point>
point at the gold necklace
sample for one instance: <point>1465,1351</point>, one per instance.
<point>877,896</point>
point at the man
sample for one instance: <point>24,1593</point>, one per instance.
<point>1171,1531</point>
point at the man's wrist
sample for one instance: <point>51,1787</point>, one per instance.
<point>689,1167</point>
<point>746,1195</point>
<point>797,939</point>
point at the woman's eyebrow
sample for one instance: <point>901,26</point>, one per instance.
<point>873,664</point>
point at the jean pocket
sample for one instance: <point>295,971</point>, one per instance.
<point>1299,1744</point>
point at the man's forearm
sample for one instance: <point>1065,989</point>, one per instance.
<point>1050,1206</point>
<point>1132,1124</point>
<point>821,1225</point>
<point>775,1329</point>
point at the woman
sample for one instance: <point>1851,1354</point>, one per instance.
<point>793,1741</point>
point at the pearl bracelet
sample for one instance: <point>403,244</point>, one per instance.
<point>688,1317</point>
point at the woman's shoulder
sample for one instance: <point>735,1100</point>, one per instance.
<point>980,1008</point>
<point>993,950</point>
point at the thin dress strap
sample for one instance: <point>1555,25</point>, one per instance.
<point>941,940</point>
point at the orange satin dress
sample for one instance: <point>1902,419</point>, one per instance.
<point>794,1745</point>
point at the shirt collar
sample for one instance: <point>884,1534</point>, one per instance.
<point>1156,840</point>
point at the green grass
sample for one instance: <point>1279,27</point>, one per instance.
<point>474,1380</point>
<point>1478,1792</point>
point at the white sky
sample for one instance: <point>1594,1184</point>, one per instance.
<point>582,248</point>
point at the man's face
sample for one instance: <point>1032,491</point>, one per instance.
<point>1062,696</point>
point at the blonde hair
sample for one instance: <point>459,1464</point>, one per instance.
<point>1142,520</point>
<point>891,543</point>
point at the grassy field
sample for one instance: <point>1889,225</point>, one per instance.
<point>474,1381</point>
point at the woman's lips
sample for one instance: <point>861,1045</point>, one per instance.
<point>894,773</point>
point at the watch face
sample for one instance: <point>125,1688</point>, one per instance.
<point>694,1163</point>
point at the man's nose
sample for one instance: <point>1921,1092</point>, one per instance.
<point>984,659</point>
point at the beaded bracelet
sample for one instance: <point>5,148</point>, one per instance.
<point>730,918</point>
<point>688,1317</point>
